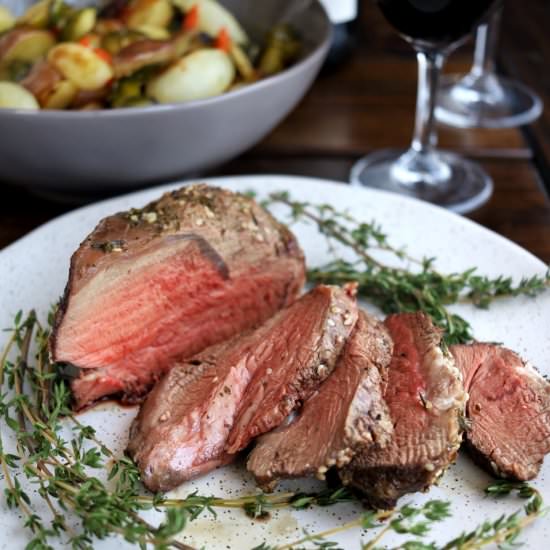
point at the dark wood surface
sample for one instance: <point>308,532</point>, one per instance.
<point>368,104</point>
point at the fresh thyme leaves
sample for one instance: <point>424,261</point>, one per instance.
<point>505,530</point>
<point>415,284</point>
<point>417,521</point>
<point>260,506</point>
<point>34,407</point>
<point>414,520</point>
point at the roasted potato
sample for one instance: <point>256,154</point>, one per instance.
<point>81,65</point>
<point>37,15</point>
<point>7,20</point>
<point>14,96</point>
<point>24,45</point>
<point>154,33</point>
<point>200,74</point>
<point>213,17</point>
<point>153,13</point>
<point>62,95</point>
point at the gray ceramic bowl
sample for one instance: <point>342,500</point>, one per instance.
<point>81,151</point>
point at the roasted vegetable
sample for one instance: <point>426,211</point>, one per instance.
<point>17,70</point>
<point>14,96</point>
<point>24,45</point>
<point>7,20</point>
<point>201,74</point>
<point>129,91</point>
<point>81,65</point>
<point>115,41</point>
<point>79,24</point>
<point>154,13</point>
<point>69,56</point>
<point>242,62</point>
<point>213,17</point>
<point>141,54</point>
<point>282,48</point>
<point>41,81</point>
<point>59,14</point>
<point>48,87</point>
<point>155,33</point>
<point>37,16</point>
<point>62,95</point>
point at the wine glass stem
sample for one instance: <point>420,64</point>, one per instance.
<point>486,44</point>
<point>429,69</point>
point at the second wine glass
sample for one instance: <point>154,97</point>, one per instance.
<point>482,98</point>
<point>434,28</point>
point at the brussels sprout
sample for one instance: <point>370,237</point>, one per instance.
<point>81,65</point>
<point>213,17</point>
<point>154,13</point>
<point>59,14</point>
<point>200,74</point>
<point>79,24</point>
<point>17,70</point>
<point>126,90</point>
<point>14,96</point>
<point>113,42</point>
<point>7,20</point>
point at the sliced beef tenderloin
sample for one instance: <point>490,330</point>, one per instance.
<point>291,371</point>
<point>346,415</point>
<point>425,397</point>
<point>148,286</point>
<point>183,425</point>
<point>508,410</point>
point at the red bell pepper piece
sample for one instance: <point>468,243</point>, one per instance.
<point>223,40</point>
<point>191,18</point>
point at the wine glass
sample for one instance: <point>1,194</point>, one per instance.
<point>483,99</point>
<point>434,28</point>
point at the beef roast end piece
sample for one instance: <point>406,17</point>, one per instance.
<point>508,410</point>
<point>425,397</point>
<point>346,415</point>
<point>153,285</point>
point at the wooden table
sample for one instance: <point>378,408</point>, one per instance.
<point>369,104</point>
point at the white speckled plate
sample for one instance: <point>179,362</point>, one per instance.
<point>33,272</point>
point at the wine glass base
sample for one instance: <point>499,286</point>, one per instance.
<point>487,101</point>
<point>466,187</point>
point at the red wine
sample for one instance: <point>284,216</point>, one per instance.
<point>436,23</point>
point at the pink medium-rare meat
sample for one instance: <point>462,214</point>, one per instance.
<point>150,286</point>
<point>291,371</point>
<point>182,427</point>
<point>508,410</point>
<point>346,415</point>
<point>425,397</point>
<point>183,423</point>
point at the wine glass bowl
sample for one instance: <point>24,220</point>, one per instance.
<point>434,28</point>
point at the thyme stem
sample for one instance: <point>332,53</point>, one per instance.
<point>393,286</point>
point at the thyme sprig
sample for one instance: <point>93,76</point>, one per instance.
<point>405,283</point>
<point>418,521</point>
<point>35,408</point>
